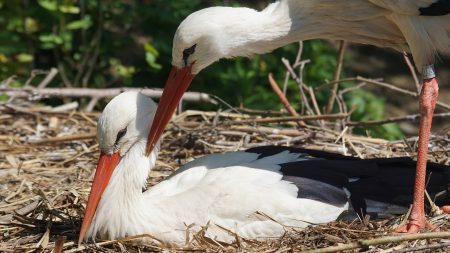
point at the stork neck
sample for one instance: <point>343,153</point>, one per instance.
<point>131,174</point>
<point>122,208</point>
<point>279,24</point>
<point>286,21</point>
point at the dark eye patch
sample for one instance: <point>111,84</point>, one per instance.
<point>187,52</point>
<point>120,134</point>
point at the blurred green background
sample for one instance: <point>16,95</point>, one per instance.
<point>117,43</point>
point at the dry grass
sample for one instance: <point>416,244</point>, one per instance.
<point>47,160</point>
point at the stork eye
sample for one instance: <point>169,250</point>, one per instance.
<point>187,52</point>
<point>120,134</point>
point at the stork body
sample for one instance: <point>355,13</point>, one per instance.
<point>236,191</point>
<point>421,27</point>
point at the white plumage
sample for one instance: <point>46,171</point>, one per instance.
<point>224,32</point>
<point>224,190</point>
<point>421,27</point>
<point>254,194</point>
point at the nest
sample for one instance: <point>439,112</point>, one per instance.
<point>48,159</point>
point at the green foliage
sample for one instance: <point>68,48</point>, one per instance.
<point>368,107</point>
<point>151,55</point>
<point>115,43</point>
<point>4,97</point>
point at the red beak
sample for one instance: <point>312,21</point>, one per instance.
<point>177,83</point>
<point>105,167</point>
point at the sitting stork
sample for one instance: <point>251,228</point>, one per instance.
<point>254,194</point>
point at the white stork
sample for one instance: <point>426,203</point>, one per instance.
<point>421,27</point>
<point>235,191</point>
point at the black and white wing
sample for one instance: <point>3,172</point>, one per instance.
<point>380,186</point>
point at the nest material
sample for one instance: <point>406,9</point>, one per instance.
<point>48,158</point>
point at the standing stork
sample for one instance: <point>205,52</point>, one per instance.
<point>421,27</point>
<point>255,194</point>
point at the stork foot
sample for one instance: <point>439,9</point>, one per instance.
<point>415,226</point>
<point>446,209</point>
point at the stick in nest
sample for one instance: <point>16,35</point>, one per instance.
<point>284,100</point>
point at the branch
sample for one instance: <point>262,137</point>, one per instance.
<point>53,72</point>
<point>297,118</point>
<point>75,137</point>
<point>413,71</point>
<point>392,87</point>
<point>299,82</point>
<point>37,94</point>
<point>412,117</point>
<point>312,95</point>
<point>337,76</point>
<point>259,112</point>
<point>283,99</point>
<point>423,247</point>
<point>385,85</point>
<point>381,240</point>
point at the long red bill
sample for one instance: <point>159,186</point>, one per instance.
<point>176,85</point>
<point>105,167</point>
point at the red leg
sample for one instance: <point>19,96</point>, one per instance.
<point>428,99</point>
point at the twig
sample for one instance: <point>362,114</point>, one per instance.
<point>312,95</point>
<point>260,112</point>
<point>349,89</point>
<point>62,71</point>
<point>53,72</point>
<point>301,66</point>
<point>299,82</point>
<point>90,106</point>
<point>423,247</point>
<point>283,99</point>
<point>337,76</point>
<point>75,137</point>
<point>296,118</point>
<point>297,62</point>
<point>412,117</point>
<point>349,79</point>
<point>65,107</point>
<point>407,92</point>
<point>37,94</point>
<point>300,52</point>
<point>387,85</point>
<point>34,74</point>
<point>413,71</point>
<point>189,113</point>
<point>341,134</point>
<point>381,240</point>
<point>341,102</point>
<point>353,147</point>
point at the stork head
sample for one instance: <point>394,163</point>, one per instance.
<point>201,39</point>
<point>123,123</point>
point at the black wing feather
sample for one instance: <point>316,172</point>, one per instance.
<point>438,8</point>
<point>323,177</point>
